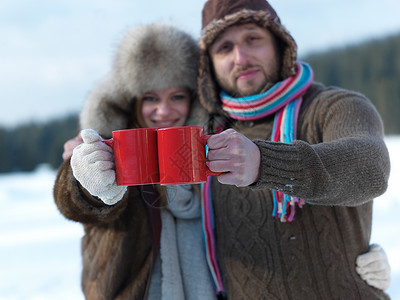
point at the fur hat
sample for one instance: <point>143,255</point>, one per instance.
<point>149,57</point>
<point>218,15</point>
<point>156,57</point>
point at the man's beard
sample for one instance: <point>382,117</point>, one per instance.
<point>231,88</point>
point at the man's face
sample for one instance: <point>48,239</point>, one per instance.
<point>245,59</point>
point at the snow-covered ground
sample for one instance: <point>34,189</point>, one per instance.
<point>40,249</point>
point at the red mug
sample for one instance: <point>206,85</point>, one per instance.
<point>135,155</point>
<point>182,156</point>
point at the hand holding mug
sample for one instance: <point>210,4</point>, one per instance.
<point>92,165</point>
<point>235,155</point>
<point>174,155</point>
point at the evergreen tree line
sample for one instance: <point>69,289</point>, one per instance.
<point>26,146</point>
<point>372,68</point>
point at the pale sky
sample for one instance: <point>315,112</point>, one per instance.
<point>54,52</point>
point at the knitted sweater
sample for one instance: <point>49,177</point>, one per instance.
<point>338,165</point>
<point>117,246</point>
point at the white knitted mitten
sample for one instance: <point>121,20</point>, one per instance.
<point>373,266</point>
<point>93,166</point>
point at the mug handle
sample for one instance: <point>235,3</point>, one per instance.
<point>109,142</point>
<point>209,172</point>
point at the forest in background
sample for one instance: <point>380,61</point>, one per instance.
<point>371,68</point>
<point>26,146</point>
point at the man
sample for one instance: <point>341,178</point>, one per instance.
<point>302,163</point>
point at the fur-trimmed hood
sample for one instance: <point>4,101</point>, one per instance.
<point>149,57</point>
<point>218,15</point>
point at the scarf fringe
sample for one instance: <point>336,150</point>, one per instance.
<point>207,218</point>
<point>284,130</point>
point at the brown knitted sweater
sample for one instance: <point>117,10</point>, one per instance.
<point>338,165</point>
<point>117,245</point>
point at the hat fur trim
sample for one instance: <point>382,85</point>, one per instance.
<point>156,57</point>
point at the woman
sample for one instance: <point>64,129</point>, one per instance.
<point>127,253</point>
<point>152,84</point>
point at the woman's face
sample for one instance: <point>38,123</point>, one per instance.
<point>165,108</point>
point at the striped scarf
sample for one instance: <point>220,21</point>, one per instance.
<point>282,93</point>
<point>284,99</point>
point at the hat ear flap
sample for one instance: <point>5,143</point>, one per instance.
<point>207,84</point>
<point>289,47</point>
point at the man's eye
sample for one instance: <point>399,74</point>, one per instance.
<point>252,38</point>
<point>178,97</point>
<point>224,48</point>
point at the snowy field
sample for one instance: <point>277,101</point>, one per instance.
<point>40,250</point>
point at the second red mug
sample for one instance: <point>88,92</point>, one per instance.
<point>182,156</point>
